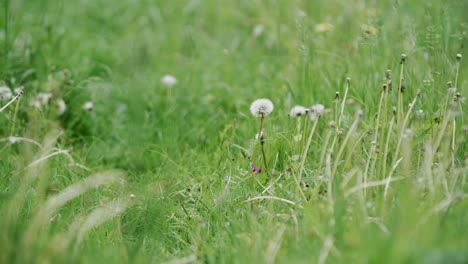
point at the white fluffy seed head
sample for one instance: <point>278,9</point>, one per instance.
<point>420,113</point>
<point>5,93</point>
<point>316,111</point>
<point>258,30</point>
<point>62,107</point>
<point>168,80</point>
<point>88,106</point>
<point>44,98</point>
<point>298,110</point>
<point>261,107</point>
<point>19,90</point>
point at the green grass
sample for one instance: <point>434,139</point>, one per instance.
<point>165,174</point>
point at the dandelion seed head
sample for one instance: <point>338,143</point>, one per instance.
<point>420,113</point>
<point>407,134</point>
<point>62,107</point>
<point>5,93</point>
<point>316,111</point>
<point>88,106</point>
<point>300,13</point>
<point>261,107</point>
<point>35,103</point>
<point>19,90</point>
<point>298,110</point>
<point>258,30</point>
<point>13,139</point>
<point>168,80</point>
<point>44,98</point>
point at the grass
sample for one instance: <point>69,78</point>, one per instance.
<point>153,174</point>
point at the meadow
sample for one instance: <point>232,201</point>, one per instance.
<point>130,131</point>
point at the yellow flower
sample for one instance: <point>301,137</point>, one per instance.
<point>324,27</point>
<point>369,29</point>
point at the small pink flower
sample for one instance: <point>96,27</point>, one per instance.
<point>255,169</point>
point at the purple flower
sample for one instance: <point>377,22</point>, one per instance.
<point>255,169</point>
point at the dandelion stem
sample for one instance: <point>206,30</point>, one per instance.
<point>14,116</point>
<point>306,150</point>
<point>6,28</point>
<point>400,92</point>
<point>262,143</point>
<point>454,125</point>
<point>343,102</point>
<point>374,142</point>
<point>344,143</point>
<point>324,150</point>
<point>397,149</point>
<point>10,102</point>
<point>403,125</point>
<point>387,143</point>
<point>453,121</point>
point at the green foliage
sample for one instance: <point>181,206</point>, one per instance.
<point>374,188</point>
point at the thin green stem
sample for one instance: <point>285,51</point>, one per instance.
<point>400,95</point>
<point>6,27</point>
<point>306,150</point>
<point>343,102</point>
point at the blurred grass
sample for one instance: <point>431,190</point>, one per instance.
<point>178,148</point>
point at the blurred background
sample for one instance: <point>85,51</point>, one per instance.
<point>162,89</point>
